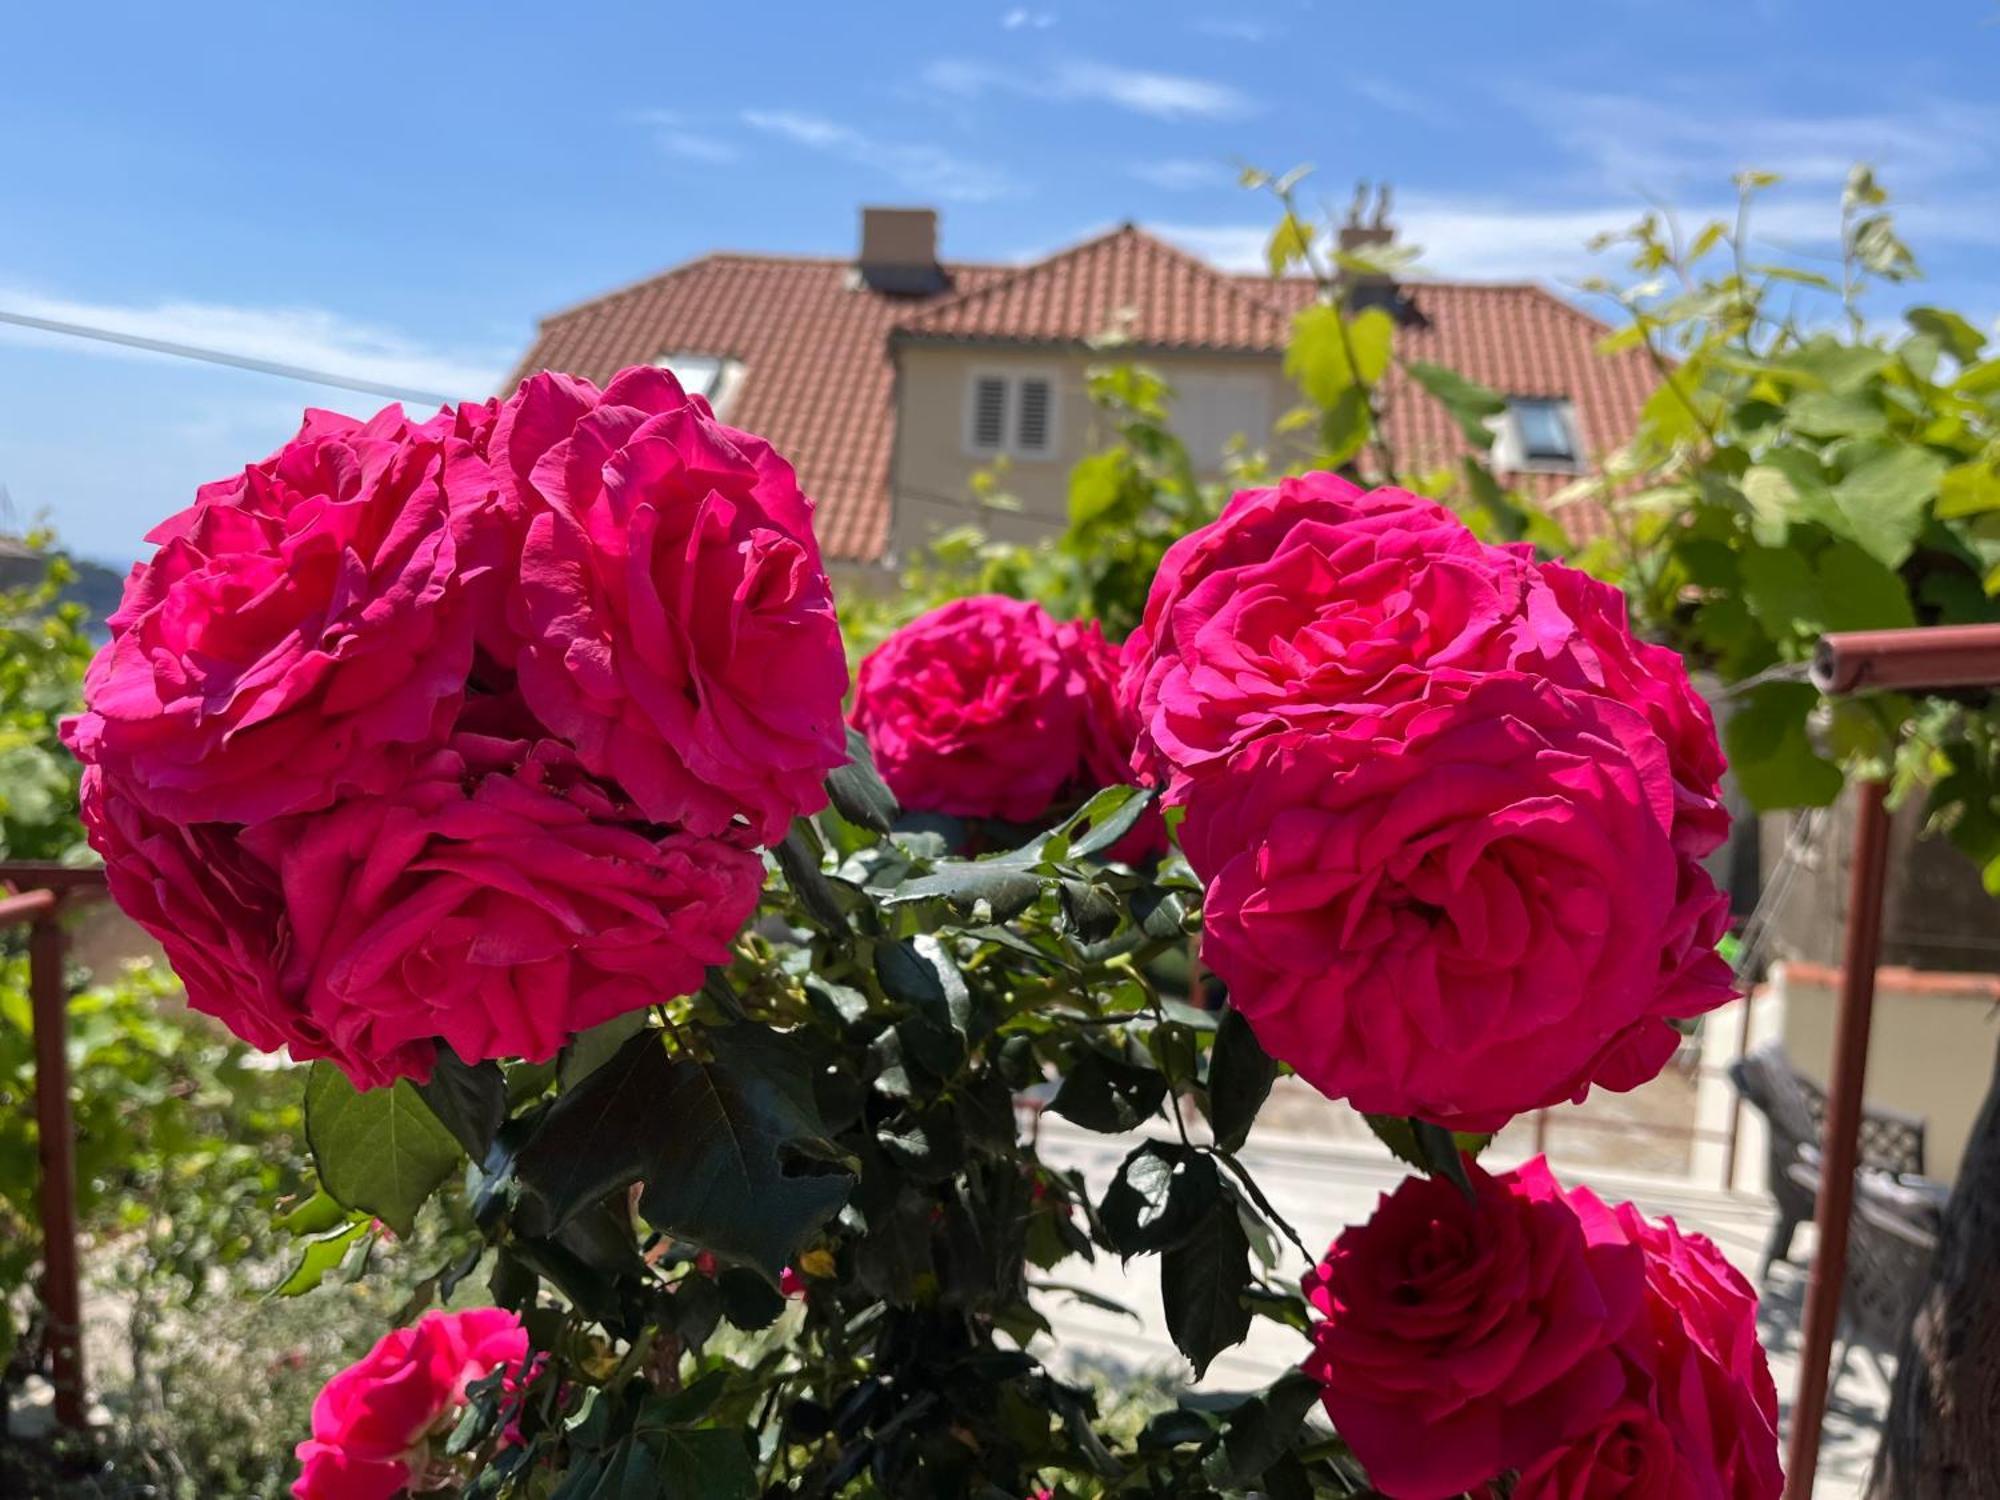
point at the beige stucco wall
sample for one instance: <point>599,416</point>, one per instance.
<point>932,466</point>
<point>1930,1049</point>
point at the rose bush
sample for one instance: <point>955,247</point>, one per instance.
<point>1443,811</point>
<point>375,1424</point>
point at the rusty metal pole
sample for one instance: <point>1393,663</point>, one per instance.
<point>1840,1148</point>
<point>61,1282</point>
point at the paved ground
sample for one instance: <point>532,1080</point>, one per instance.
<point>1324,1184</point>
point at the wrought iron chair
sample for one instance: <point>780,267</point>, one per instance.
<point>1891,1240</point>
<point>1794,1107</point>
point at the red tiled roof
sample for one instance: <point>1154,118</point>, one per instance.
<point>818,381</point>
<point>1125,282</point>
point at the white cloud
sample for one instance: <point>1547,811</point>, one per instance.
<point>1681,140</point>
<point>918,166</point>
<point>1183,174</point>
<point>310,338</point>
<point>1163,96</point>
<point>1021,17</point>
<point>1395,98</point>
<point>672,135</point>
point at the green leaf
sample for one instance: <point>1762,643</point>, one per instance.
<point>1781,590</point>
<point>1440,1152</point>
<point>1263,1429</point>
<point>1836,414</point>
<point>1240,1074</point>
<point>1202,1281</point>
<point>1950,330</point>
<point>1396,1132</point>
<point>1858,593</point>
<point>469,1099</point>
<point>743,1166</point>
<point>1770,752</point>
<point>1471,405</point>
<point>1344,428</point>
<point>1105,819</point>
<point>1289,244</point>
<point>1006,889</point>
<point>1885,501</point>
<point>920,973</point>
<point>798,856</point>
<point>381,1153</point>
<point>857,790</point>
<point>1371,335</point>
<point>1162,1193</point>
<point>1316,358</point>
<point>1106,1095</point>
<point>322,1254</point>
<point>1968,489</point>
<point>590,1050</point>
<point>1098,486</point>
<point>598,1136</point>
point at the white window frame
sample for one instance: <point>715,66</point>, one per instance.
<point>1011,380</point>
<point>1510,449</point>
<point>728,375</point>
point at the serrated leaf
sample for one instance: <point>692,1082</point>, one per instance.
<point>469,1100</point>
<point>381,1153</point>
<point>1263,1429</point>
<point>857,790</point>
<point>1202,1281</point>
<point>1007,890</point>
<point>590,1050</point>
<point>736,1131</point>
<point>321,1255</point>
<point>1161,1192</point>
<point>1886,500</point>
<point>1105,819</point>
<point>1240,1075</point>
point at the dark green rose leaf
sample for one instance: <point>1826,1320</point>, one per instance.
<point>1240,1074</point>
<point>469,1099</point>
<point>383,1152</point>
<point>857,790</point>
<point>1202,1282</point>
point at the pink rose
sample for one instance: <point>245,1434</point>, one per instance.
<point>1460,1338</point>
<point>1698,1416</point>
<point>374,1424</point>
<point>989,708</point>
<point>1298,605</point>
<point>672,619</point>
<point>501,900</point>
<point>1452,910</point>
<point>302,630</point>
<point>212,906</point>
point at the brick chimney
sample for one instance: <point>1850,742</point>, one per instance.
<point>899,252</point>
<point>1367,235</point>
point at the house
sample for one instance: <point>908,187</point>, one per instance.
<point>890,377</point>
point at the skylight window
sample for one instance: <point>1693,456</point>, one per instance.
<point>714,376</point>
<point>1543,433</point>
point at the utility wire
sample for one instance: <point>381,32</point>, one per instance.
<point>220,357</point>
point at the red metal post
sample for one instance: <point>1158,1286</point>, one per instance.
<point>61,1284</point>
<point>1840,1149</point>
<point>1930,658</point>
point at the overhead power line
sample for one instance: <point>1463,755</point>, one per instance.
<point>222,357</point>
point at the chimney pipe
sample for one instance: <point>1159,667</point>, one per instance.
<point>899,251</point>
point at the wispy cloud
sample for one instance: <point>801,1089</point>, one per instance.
<point>308,337</point>
<point>1183,174</point>
<point>1163,96</point>
<point>918,166</point>
<point>1667,142</point>
<point>1020,18</point>
<point>671,134</point>
<point>1395,98</point>
<point>1233,29</point>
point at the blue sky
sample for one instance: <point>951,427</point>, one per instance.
<point>397,191</point>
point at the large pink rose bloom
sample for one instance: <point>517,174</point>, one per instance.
<point>1302,604</point>
<point>501,899</point>
<point>375,1423</point>
<point>672,619</point>
<point>989,708</point>
<point>301,629</point>
<point>1453,910</point>
<point>1460,1338</point>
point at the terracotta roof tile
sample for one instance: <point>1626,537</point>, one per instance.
<point>819,384</point>
<point>1126,282</point>
<point>817,380</point>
